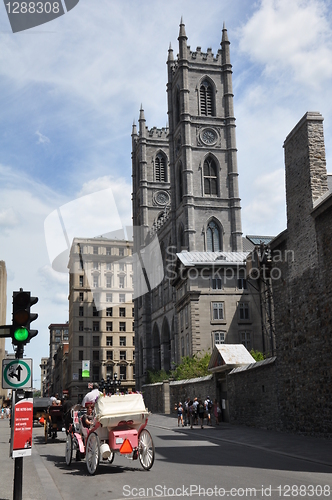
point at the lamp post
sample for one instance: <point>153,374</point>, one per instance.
<point>110,385</point>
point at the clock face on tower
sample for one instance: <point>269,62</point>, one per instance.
<point>209,136</point>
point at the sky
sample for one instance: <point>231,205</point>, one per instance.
<point>71,89</point>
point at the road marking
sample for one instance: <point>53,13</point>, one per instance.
<point>169,443</point>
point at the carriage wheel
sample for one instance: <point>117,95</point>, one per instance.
<point>92,453</point>
<point>146,450</point>
<point>69,449</point>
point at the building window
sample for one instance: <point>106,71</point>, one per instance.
<point>95,372</point>
<point>123,355</point>
<point>133,312</point>
<point>182,347</point>
<point>245,339</point>
<point>160,168</point>
<point>213,237</point>
<point>109,326</point>
<point>122,267</point>
<point>134,340</point>
<point>95,326</point>
<point>216,284</point>
<point>80,355</point>
<point>121,281</point>
<point>122,312</point>
<point>95,265</point>
<point>95,341</point>
<point>80,326</point>
<point>81,280</point>
<point>109,370</point>
<point>219,337</point>
<point>109,297</point>
<point>95,355</point>
<point>123,372</point>
<point>218,310</point>
<point>210,177</point>
<point>109,355</point>
<point>123,341</point>
<point>122,297</point>
<point>80,374</point>
<point>96,281</point>
<point>206,98</point>
<point>242,284</point>
<point>95,311</point>
<point>109,311</point>
<point>81,341</point>
<point>65,336</point>
<point>95,250</point>
<point>81,297</point>
<point>108,281</point>
<point>109,341</point>
<point>108,251</point>
<point>244,310</point>
<point>109,266</point>
<point>121,252</point>
<point>81,311</point>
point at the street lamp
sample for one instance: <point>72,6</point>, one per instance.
<point>110,385</point>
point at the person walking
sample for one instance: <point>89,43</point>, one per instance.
<point>195,412</point>
<point>201,411</point>
<point>180,414</point>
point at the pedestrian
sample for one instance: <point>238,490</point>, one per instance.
<point>195,412</point>
<point>180,414</point>
<point>208,408</point>
<point>200,410</point>
<point>186,411</point>
<point>7,412</point>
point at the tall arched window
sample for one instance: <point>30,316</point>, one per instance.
<point>210,177</point>
<point>213,237</point>
<point>206,98</point>
<point>160,168</point>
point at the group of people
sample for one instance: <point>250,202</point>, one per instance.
<point>195,410</point>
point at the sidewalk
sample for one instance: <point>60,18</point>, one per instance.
<point>307,448</point>
<point>32,487</point>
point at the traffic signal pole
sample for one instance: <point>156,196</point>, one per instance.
<point>21,334</point>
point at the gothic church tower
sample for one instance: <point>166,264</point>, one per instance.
<point>185,187</point>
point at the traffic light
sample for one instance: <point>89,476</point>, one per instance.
<point>21,333</point>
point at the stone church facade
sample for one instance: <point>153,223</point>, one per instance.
<point>185,193</point>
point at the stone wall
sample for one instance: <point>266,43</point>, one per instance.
<point>302,296</point>
<point>252,395</point>
<point>156,395</point>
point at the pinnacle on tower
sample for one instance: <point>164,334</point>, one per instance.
<point>170,53</point>
<point>182,32</point>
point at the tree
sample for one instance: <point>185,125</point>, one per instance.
<point>257,355</point>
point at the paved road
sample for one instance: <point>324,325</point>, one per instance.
<point>228,462</point>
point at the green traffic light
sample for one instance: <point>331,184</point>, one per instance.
<point>21,334</point>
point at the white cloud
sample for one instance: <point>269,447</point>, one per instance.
<point>8,218</point>
<point>42,139</point>
<point>291,39</point>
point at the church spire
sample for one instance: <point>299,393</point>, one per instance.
<point>182,41</point>
<point>226,58</point>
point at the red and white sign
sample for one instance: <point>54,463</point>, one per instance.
<point>22,428</point>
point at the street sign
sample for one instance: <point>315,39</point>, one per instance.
<point>17,373</point>
<point>21,436</point>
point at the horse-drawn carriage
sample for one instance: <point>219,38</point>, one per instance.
<point>119,427</point>
<point>50,416</point>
